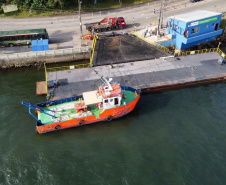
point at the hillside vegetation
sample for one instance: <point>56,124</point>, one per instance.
<point>55,7</point>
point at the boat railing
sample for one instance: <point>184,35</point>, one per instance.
<point>56,102</point>
<point>126,88</point>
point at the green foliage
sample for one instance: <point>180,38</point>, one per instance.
<point>53,7</point>
<point>223,23</point>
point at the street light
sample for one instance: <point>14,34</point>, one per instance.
<point>160,14</point>
<point>80,20</point>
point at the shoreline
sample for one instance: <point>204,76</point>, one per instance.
<point>17,60</point>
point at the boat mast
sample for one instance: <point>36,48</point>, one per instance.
<point>105,80</point>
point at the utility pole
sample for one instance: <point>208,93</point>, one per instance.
<point>80,19</point>
<point>160,13</point>
<point>120,2</point>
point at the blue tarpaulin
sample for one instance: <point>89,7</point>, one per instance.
<point>40,45</point>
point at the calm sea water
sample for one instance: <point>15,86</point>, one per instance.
<point>175,137</point>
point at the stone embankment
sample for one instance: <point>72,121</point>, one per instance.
<point>40,57</point>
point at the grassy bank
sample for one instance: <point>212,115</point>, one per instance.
<point>72,10</point>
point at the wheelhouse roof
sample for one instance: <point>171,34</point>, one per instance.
<point>22,32</point>
<point>90,98</point>
<point>194,15</point>
<point>115,92</point>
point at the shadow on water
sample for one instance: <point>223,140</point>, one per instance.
<point>105,126</point>
<point>150,102</point>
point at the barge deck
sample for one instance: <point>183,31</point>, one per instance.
<point>148,75</point>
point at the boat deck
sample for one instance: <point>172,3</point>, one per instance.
<point>148,75</point>
<point>66,111</point>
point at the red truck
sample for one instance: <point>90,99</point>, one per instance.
<point>107,23</point>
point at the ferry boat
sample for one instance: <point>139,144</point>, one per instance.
<point>108,102</point>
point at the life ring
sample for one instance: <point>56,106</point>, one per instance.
<point>109,118</point>
<point>57,127</point>
<point>81,122</point>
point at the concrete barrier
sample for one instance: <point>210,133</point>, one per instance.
<point>51,56</point>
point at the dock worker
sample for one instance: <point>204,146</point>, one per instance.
<point>150,32</point>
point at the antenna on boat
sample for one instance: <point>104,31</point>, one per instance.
<point>105,80</point>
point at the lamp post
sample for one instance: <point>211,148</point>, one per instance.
<point>80,19</point>
<point>160,14</point>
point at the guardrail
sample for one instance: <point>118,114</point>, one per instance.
<point>93,49</point>
<point>43,53</point>
<point>184,53</point>
<point>222,54</point>
<point>62,68</point>
<point>46,78</point>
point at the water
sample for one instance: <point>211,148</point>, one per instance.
<point>173,137</point>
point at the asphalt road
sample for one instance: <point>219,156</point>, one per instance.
<point>64,31</point>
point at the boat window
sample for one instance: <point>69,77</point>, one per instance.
<point>106,101</point>
<point>116,101</point>
<point>111,100</point>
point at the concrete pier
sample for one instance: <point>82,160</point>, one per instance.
<point>40,57</point>
<point>149,75</point>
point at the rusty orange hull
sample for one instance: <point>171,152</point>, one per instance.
<point>104,116</point>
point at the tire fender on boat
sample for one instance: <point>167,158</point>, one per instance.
<point>109,118</point>
<point>57,127</point>
<point>81,122</point>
